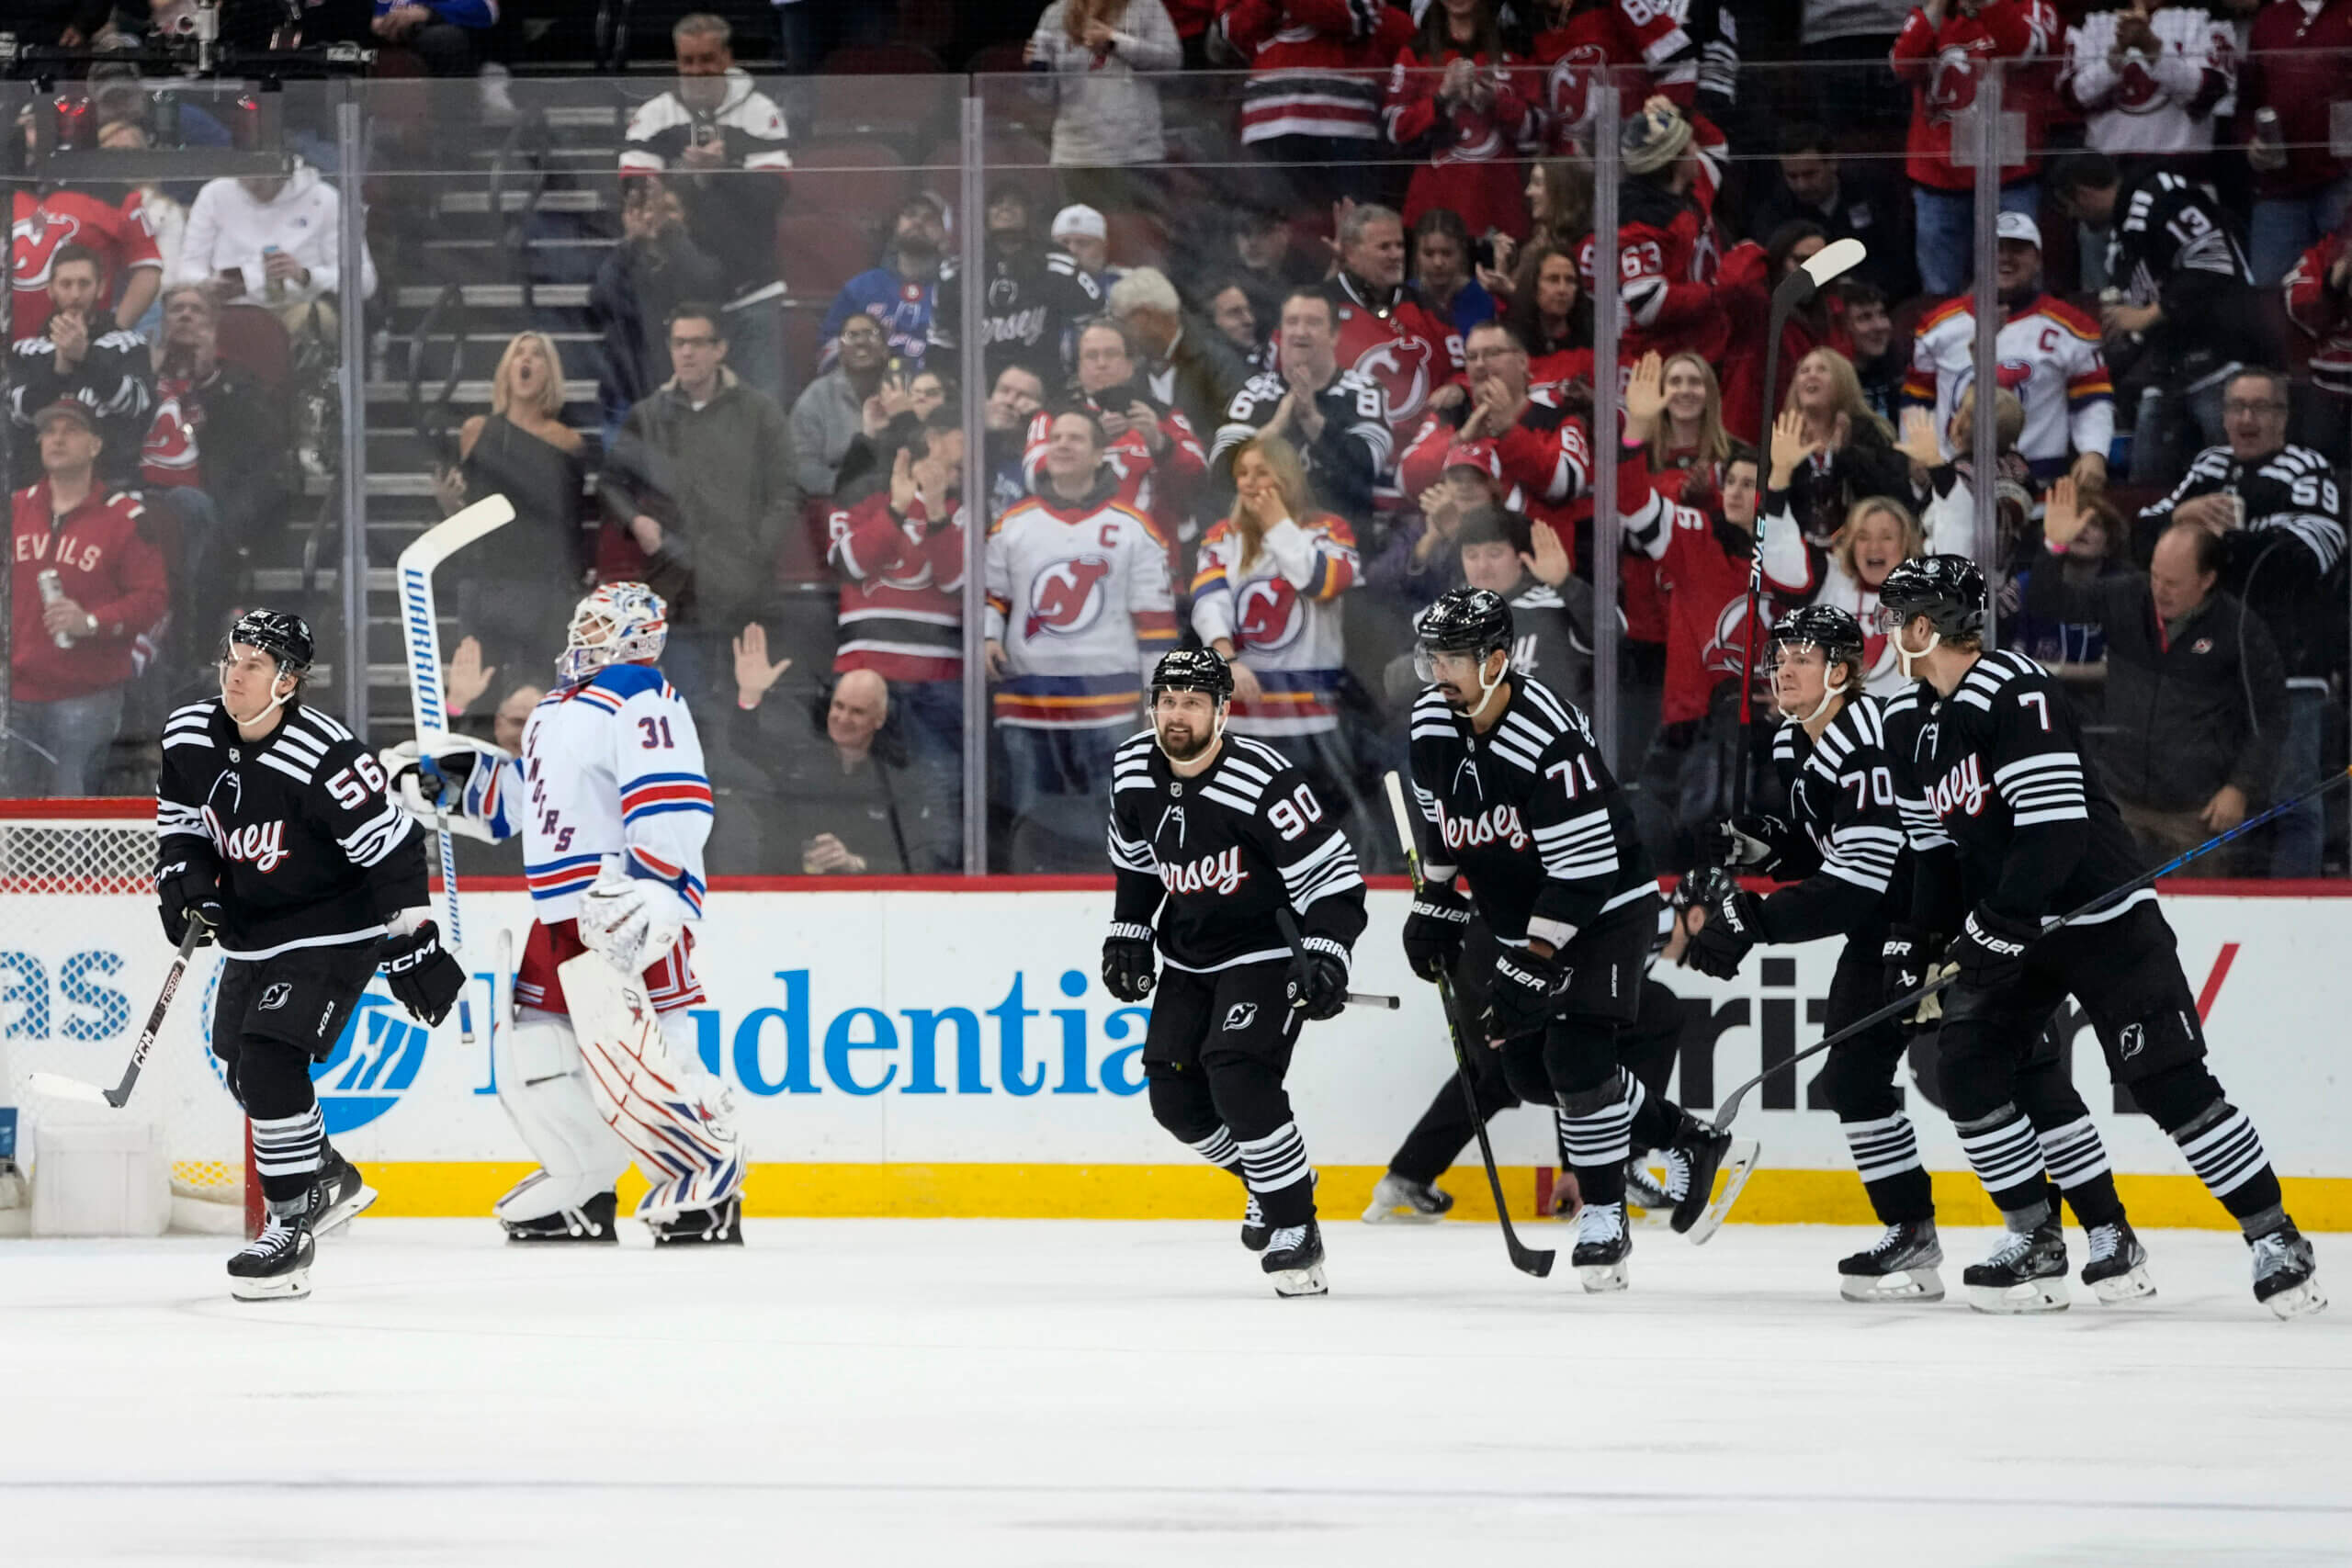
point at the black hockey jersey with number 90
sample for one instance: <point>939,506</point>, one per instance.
<point>311,850</point>
<point>1225,850</point>
<point>1999,765</point>
<point>1529,813</point>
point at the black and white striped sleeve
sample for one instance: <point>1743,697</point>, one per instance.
<point>1428,748</point>
<point>350,799</point>
<point>2036,766</point>
<point>1135,866</point>
<point>1864,841</point>
<point>191,761</point>
<point>1576,831</point>
<point>1318,870</point>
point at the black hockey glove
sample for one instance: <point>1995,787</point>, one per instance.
<point>1991,949</point>
<point>1316,981</point>
<point>1905,960</point>
<point>1526,987</point>
<point>1128,962</point>
<point>1757,844</point>
<point>1734,924</point>
<point>188,886</point>
<point>424,978</point>
<point>1434,932</point>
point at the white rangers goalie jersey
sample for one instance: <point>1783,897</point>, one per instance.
<point>611,766</point>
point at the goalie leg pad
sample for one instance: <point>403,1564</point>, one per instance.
<point>652,1091</point>
<point>543,1087</point>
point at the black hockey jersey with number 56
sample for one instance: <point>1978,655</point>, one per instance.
<point>1225,850</point>
<point>1529,813</point>
<point>1999,766</point>
<point>311,850</point>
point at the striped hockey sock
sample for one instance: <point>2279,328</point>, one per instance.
<point>286,1153</point>
<point>1886,1154</point>
<point>2226,1153</point>
<point>2076,1160</point>
<point>1218,1148</point>
<point>1275,1167</point>
<point>1600,1140</point>
<point>2006,1158</point>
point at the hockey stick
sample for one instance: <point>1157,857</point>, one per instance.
<point>428,707</point>
<point>61,1087</point>
<point>1526,1259</point>
<point>1902,1005</point>
<point>1288,924</point>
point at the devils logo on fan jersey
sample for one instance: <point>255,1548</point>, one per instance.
<point>169,455</point>
<point>1067,597</point>
<point>1951,84</point>
<point>1400,369</point>
<point>1727,651</point>
<point>1267,615</point>
<point>34,240</point>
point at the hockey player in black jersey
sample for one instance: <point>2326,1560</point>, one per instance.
<point>1217,837</point>
<point>1990,742</point>
<point>1514,798</point>
<point>274,831</point>
<point>1841,847</point>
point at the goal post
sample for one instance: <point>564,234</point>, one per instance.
<point>81,956</point>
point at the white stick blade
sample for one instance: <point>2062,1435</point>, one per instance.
<point>1835,259</point>
<point>56,1085</point>
<point>457,531</point>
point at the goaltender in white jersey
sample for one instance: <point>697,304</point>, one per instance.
<point>599,1068</point>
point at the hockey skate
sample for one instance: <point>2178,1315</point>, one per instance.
<point>594,1221</point>
<point>1647,1198</point>
<point>1401,1201</point>
<point>1699,1153</point>
<point>276,1265</point>
<point>1255,1231</point>
<point>2026,1273</point>
<point>1898,1267</point>
<point>1603,1245</point>
<point>2118,1271</point>
<point>2286,1277</point>
<point>347,1194</point>
<point>722,1225</point>
<point>1294,1260</point>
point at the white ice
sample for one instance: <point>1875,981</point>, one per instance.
<point>954,1394</point>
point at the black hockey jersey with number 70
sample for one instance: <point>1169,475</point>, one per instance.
<point>1999,765</point>
<point>1223,850</point>
<point>1529,813</point>
<point>1841,797</point>
<point>310,848</point>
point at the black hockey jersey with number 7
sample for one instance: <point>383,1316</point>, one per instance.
<point>310,848</point>
<point>1529,813</point>
<point>1999,766</point>
<point>1223,850</point>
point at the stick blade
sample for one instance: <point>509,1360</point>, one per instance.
<point>56,1085</point>
<point>461,528</point>
<point>1533,1260</point>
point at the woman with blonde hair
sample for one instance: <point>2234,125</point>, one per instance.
<point>1099,60</point>
<point>1690,441</point>
<point>1266,595</point>
<point>1854,453</point>
<point>1880,534</point>
<point>521,582</point>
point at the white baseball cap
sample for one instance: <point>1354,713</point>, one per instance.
<point>2019,226</point>
<point>1080,219</point>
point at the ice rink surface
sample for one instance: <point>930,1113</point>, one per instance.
<point>961,1392</point>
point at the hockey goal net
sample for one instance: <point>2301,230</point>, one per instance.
<point>82,958</point>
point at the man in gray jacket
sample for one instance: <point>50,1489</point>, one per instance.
<point>2196,695</point>
<point>700,500</point>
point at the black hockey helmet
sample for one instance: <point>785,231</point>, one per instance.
<point>1948,590</point>
<point>1824,627</point>
<point>1193,670</point>
<point>1466,620</point>
<point>281,634</point>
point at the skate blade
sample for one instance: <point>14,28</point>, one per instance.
<point>291,1287</point>
<point>2300,1301</point>
<point>337,1215</point>
<point>596,1238</point>
<point>2134,1286</point>
<point>1602,1279</point>
<point>1398,1214</point>
<point>1903,1285</point>
<point>1738,1164</point>
<point>2012,1300</point>
<point>1307,1282</point>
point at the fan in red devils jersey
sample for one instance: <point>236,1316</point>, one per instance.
<point>1514,795</point>
<point>276,831</point>
<point>1840,846</point>
<point>1990,742</point>
<point>1219,837</point>
<point>1386,334</point>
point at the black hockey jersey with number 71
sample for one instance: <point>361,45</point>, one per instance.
<point>1225,850</point>
<point>1999,766</point>
<point>310,848</point>
<point>1529,813</point>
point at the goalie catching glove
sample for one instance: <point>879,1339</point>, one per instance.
<point>431,784</point>
<point>630,921</point>
<point>424,978</point>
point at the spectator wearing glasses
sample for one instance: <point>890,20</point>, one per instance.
<point>2278,513</point>
<point>656,267</point>
<point>898,293</point>
<point>1153,450</point>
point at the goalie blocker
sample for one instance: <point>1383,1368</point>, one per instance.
<point>599,1069</point>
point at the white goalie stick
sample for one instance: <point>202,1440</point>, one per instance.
<point>428,703</point>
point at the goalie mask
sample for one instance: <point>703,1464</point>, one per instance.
<point>1190,669</point>
<point>621,622</point>
<point>1464,625</point>
<point>1830,631</point>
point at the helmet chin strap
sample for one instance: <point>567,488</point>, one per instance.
<point>274,704</point>
<point>1486,689</point>
<point>1909,660</point>
<point>1829,694</point>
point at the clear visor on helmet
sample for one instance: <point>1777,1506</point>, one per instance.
<point>1457,666</point>
<point>1888,619</point>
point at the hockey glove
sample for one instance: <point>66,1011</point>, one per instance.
<point>1434,932</point>
<point>186,886</point>
<point>1734,924</point>
<point>1526,987</point>
<point>424,978</point>
<point>1757,844</point>
<point>1128,962</point>
<point>1316,981</point>
<point>1991,949</point>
